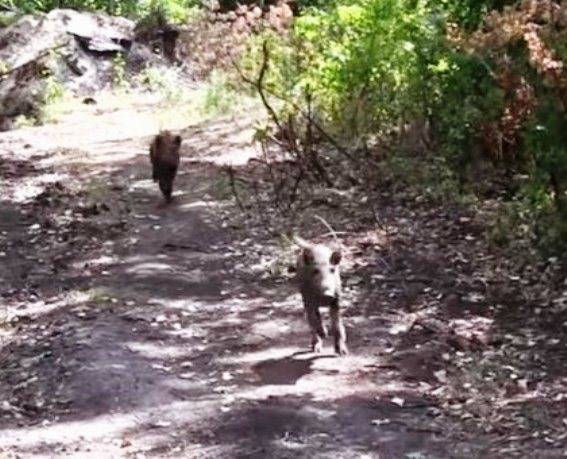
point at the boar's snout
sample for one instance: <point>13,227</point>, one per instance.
<point>329,289</point>
<point>318,274</point>
<point>330,298</point>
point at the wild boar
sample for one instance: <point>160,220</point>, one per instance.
<point>164,156</point>
<point>319,281</point>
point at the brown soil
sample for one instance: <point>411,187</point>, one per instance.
<point>137,329</point>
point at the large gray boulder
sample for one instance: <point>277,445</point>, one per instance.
<point>75,48</point>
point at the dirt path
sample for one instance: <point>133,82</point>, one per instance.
<point>137,330</point>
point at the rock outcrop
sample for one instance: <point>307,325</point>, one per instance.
<point>75,48</point>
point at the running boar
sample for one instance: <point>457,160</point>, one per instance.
<point>164,155</point>
<point>319,282</point>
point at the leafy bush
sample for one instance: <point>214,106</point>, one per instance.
<point>467,97</point>
<point>219,95</point>
<point>302,4</point>
<point>364,64</point>
<point>546,193</point>
<point>487,76</point>
<point>174,10</point>
<point>119,71</point>
<point>166,81</point>
<point>470,13</point>
<point>525,49</point>
<point>127,7</point>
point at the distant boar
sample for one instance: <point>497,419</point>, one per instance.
<point>164,155</point>
<point>319,282</point>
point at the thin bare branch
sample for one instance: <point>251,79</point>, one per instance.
<point>34,60</point>
<point>231,175</point>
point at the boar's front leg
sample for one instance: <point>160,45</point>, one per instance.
<point>318,331</point>
<point>338,330</point>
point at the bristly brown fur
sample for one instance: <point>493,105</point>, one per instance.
<point>319,281</point>
<point>164,156</point>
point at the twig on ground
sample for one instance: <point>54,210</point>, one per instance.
<point>231,176</point>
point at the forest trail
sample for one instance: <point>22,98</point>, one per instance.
<point>135,329</point>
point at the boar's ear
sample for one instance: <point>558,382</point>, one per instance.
<point>336,257</point>
<point>308,257</point>
<point>177,140</point>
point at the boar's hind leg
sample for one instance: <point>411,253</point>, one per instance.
<point>166,181</point>
<point>166,187</point>
<point>318,331</point>
<point>155,173</point>
<point>338,330</point>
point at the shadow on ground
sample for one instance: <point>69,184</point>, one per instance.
<point>134,327</point>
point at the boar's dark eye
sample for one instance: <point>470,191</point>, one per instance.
<point>316,271</point>
<point>332,269</point>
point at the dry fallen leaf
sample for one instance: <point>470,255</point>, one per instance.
<point>398,401</point>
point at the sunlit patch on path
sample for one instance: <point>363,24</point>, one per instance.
<point>141,330</point>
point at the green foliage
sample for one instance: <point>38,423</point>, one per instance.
<point>546,193</point>
<point>127,7</point>
<point>7,19</point>
<point>163,80</point>
<point>23,121</point>
<point>467,95</point>
<point>365,67</point>
<point>54,90</point>
<point>158,12</point>
<point>175,11</point>
<point>119,69</point>
<point>364,64</point>
<point>469,13</point>
<point>431,179</point>
<point>53,97</point>
<point>219,95</point>
<point>321,4</point>
<point>4,67</point>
